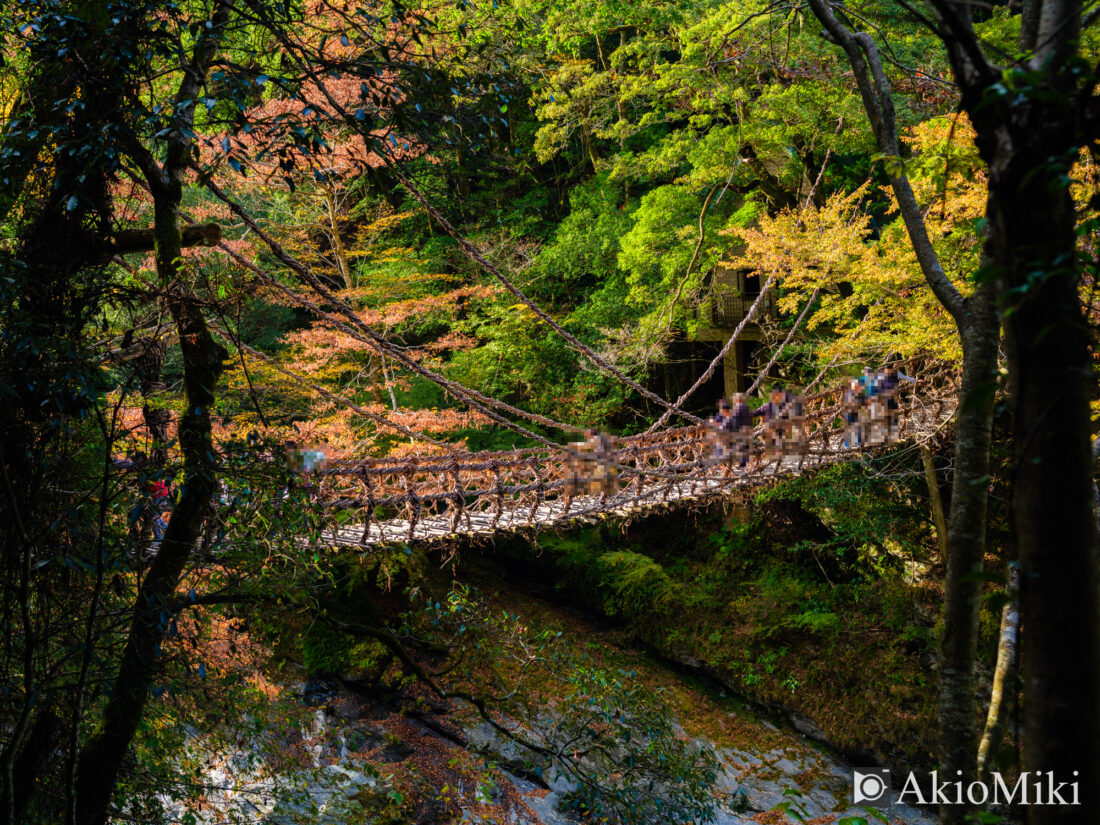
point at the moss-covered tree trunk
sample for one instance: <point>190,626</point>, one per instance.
<point>1029,138</point>
<point>101,759</point>
<point>966,545</point>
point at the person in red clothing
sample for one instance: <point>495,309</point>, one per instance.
<point>161,508</point>
<point>158,491</point>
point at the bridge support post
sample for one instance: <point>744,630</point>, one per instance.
<point>733,368</point>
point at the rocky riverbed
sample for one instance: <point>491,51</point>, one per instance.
<point>352,759</point>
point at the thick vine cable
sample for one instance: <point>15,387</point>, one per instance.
<point>472,252</point>
<point>748,316</point>
<point>372,338</point>
<point>384,346</point>
<point>331,396</point>
<point>764,290</point>
<point>836,357</point>
<point>472,397</point>
<point>775,356</point>
<point>468,396</point>
<point>335,397</point>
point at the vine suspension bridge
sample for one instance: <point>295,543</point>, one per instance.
<point>427,498</point>
<point>446,493</point>
<point>441,495</point>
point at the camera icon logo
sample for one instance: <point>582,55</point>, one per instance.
<point>871,787</point>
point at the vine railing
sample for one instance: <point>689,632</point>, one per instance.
<point>467,492</point>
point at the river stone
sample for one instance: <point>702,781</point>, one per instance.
<point>345,708</point>
<point>763,794</point>
<point>485,735</point>
<point>559,782</point>
<point>349,775</point>
<point>725,817</point>
<point>728,781</point>
<point>841,772</point>
<point>789,767</point>
<point>823,800</point>
<point>546,809</point>
<point>806,727</point>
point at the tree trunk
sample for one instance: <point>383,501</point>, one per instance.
<point>938,517</point>
<point>144,240</point>
<point>34,757</point>
<point>339,252</point>
<point>979,331</point>
<point>966,544</point>
<point>101,759</point>
<point>1007,648</point>
<point>1033,246</point>
<point>1029,140</point>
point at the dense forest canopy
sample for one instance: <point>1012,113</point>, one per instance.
<point>235,231</point>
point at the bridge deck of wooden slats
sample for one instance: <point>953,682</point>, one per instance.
<point>440,496</point>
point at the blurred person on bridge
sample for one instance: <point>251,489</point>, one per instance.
<point>853,403</point>
<point>718,429</point>
<point>740,426</point>
<point>598,471</point>
<point>776,414</point>
<point>890,384</point>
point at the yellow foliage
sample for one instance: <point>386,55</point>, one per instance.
<point>874,284</point>
<point>525,313</point>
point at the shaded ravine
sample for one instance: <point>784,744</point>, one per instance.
<point>356,749</point>
<point>556,578</point>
